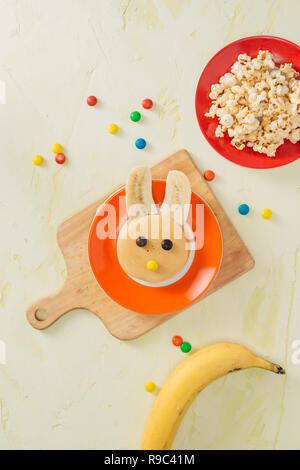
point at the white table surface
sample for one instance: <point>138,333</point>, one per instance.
<point>73,385</point>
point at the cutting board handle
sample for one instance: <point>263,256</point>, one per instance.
<point>46,311</point>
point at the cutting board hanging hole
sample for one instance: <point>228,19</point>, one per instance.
<point>40,314</point>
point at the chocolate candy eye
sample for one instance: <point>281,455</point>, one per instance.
<point>167,245</point>
<point>141,241</point>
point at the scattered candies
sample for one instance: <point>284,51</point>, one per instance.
<point>185,347</point>
<point>113,128</point>
<point>38,160</point>
<point>135,116</point>
<point>266,214</point>
<point>147,103</point>
<point>209,175</point>
<point>60,158</point>
<point>244,209</point>
<point>92,101</point>
<point>177,340</point>
<point>152,265</point>
<point>150,387</point>
<point>140,144</point>
<point>57,148</point>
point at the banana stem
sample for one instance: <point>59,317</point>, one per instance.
<point>263,364</point>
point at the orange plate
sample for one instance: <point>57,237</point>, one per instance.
<point>155,300</point>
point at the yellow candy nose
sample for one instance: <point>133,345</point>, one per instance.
<point>152,265</point>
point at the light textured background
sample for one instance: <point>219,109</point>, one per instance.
<point>74,386</point>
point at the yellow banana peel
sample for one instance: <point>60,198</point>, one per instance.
<point>187,380</point>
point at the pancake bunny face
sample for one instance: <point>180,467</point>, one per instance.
<point>153,246</point>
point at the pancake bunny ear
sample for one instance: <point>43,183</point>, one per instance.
<point>178,196</point>
<point>139,198</point>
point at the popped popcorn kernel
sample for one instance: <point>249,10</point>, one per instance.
<point>257,104</point>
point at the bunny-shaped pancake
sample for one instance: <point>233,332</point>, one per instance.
<point>153,246</point>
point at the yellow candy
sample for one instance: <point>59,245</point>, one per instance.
<point>38,160</point>
<point>150,387</point>
<point>266,214</point>
<point>152,265</point>
<point>112,128</point>
<point>57,148</point>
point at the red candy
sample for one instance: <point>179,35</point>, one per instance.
<point>177,340</point>
<point>92,101</point>
<point>209,175</point>
<point>60,158</point>
<point>147,104</point>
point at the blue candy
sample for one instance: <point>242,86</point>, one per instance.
<point>244,209</point>
<point>140,144</point>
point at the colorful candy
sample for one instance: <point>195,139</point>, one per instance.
<point>244,209</point>
<point>167,244</point>
<point>60,158</point>
<point>140,144</point>
<point>266,214</point>
<point>141,241</point>
<point>150,387</point>
<point>147,103</point>
<point>135,116</point>
<point>177,341</point>
<point>209,175</point>
<point>38,160</point>
<point>92,101</point>
<point>186,347</point>
<point>113,128</point>
<point>57,148</point>
<point>152,265</point>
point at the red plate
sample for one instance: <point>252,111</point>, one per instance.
<point>155,300</point>
<point>283,52</point>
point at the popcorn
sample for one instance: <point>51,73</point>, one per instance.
<point>216,90</point>
<point>228,80</point>
<point>295,136</point>
<point>257,104</point>
<point>226,120</point>
<point>219,132</point>
<point>282,90</point>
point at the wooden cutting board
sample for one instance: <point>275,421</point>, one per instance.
<point>81,290</point>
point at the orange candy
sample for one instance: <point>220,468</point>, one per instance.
<point>147,103</point>
<point>209,175</point>
<point>177,340</point>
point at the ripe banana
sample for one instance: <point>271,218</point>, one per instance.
<point>187,380</point>
<point>139,193</point>
<point>178,196</point>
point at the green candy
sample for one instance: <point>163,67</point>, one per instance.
<point>135,116</point>
<point>185,347</point>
